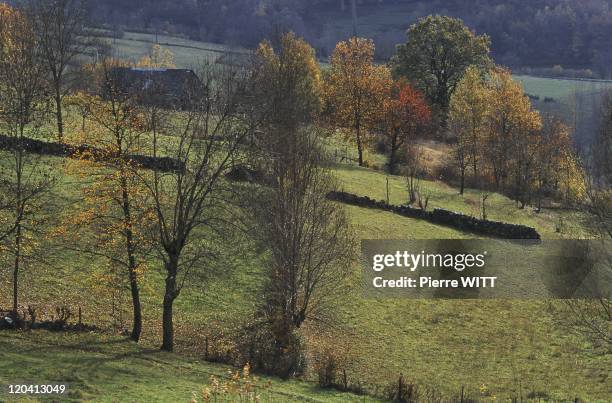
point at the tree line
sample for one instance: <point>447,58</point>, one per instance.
<point>442,83</point>
<point>542,33</point>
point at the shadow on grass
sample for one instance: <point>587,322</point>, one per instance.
<point>75,358</point>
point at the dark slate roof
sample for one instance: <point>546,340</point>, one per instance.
<point>160,86</point>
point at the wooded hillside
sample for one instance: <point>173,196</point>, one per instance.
<point>540,33</point>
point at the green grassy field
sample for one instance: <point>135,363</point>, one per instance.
<point>494,349</point>
<point>187,53</point>
<point>513,348</point>
<point>560,89</point>
<point>110,369</point>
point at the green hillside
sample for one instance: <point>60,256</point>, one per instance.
<point>187,53</point>
<point>485,349</point>
<point>109,369</point>
<point>510,347</point>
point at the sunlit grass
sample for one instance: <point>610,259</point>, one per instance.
<point>511,347</point>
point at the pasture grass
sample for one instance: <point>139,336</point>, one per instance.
<point>106,368</point>
<point>188,54</point>
<point>500,348</point>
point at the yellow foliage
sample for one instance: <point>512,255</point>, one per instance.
<point>495,123</point>
<point>356,87</point>
<point>294,62</point>
<point>468,113</point>
<point>238,386</point>
<point>114,202</point>
<point>158,57</point>
<point>571,178</point>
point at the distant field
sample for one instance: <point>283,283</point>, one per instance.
<point>561,89</point>
<point>187,53</point>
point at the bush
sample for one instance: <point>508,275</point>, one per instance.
<point>260,347</point>
<point>240,386</point>
<point>402,391</point>
<point>329,356</point>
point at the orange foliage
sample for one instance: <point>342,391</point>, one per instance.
<point>356,88</point>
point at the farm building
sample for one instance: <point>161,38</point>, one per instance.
<point>168,88</point>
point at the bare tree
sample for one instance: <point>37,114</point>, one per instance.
<point>308,236</point>
<point>204,139</point>
<point>593,317</point>
<point>414,171</point>
<point>462,159</point>
<point>59,25</point>
<point>602,151</point>
<point>309,239</point>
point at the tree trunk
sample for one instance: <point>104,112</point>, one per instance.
<point>132,265</point>
<point>58,114</point>
<point>462,181</point>
<point>169,296</point>
<point>394,148</point>
<point>137,326</point>
<point>19,213</point>
<point>359,145</point>
<point>16,269</point>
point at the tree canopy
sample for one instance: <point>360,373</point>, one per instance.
<point>436,54</point>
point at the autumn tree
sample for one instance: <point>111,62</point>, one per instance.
<point>511,123</point>
<point>468,121</point>
<point>403,115</point>
<point>505,141</point>
<point>437,53</point>
<point>307,235</point>
<point>355,88</point>
<point>24,181</point>
<point>114,201</point>
<point>548,154</point>
<point>289,84</point>
<point>158,57</point>
<point>60,28</point>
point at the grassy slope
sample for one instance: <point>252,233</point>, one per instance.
<point>371,183</point>
<point>187,53</point>
<point>512,347</point>
<point>110,369</point>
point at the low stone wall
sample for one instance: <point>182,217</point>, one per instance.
<point>242,173</point>
<point>163,164</point>
<point>447,218</point>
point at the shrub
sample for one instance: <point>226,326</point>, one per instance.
<point>329,356</point>
<point>401,391</point>
<point>240,386</point>
<point>259,347</point>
